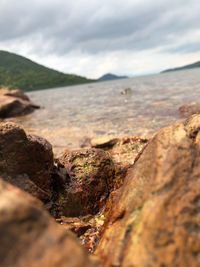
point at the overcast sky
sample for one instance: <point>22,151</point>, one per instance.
<point>93,37</point>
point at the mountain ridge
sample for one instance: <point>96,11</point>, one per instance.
<point>17,71</point>
<point>110,77</point>
<point>185,67</point>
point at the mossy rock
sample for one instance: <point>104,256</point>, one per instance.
<point>86,181</point>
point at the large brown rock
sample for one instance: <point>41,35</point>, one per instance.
<point>30,237</point>
<point>26,161</point>
<point>87,178</point>
<point>14,103</point>
<point>155,217</point>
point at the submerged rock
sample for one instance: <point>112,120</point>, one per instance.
<point>154,219</point>
<point>14,103</point>
<point>86,180</point>
<point>25,161</point>
<point>189,109</point>
<point>30,237</point>
<point>126,91</point>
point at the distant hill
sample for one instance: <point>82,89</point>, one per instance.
<point>19,72</point>
<point>190,66</point>
<point>110,77</point>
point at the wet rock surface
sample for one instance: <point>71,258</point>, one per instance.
<point>25,161</point>
<point>86,178</point>
<point>30,237</point>
<point>14,103</point>
<point>154,220</point>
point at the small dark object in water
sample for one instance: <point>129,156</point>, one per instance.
<point>126,91</point>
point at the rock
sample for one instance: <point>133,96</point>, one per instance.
<point>123,151</point>
<point>87,178</point>
<point>189,109</point>
<point>17,93</point>
<point>77,225</point>
<point>25,161</point>
<point>104,142</point>
<point>155,220</point>
<point>30,237</point>
<point>126,91</point>
<point>86,228</point>
<point>14,103</point>
<point>85,142</point>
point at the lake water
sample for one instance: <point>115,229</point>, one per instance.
<point>73,113</point>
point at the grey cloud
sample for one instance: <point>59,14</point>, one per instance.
<point>186,48</point>
<point>93,26</point>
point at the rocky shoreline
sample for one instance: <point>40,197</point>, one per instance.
<point>121,202</point>
<point>15,103</point>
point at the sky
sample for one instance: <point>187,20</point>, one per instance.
<point>93,37</point>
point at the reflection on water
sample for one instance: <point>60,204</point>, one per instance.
<point>72,113</point>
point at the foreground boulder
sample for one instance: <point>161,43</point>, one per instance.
<point>30,237</point>
<point>155,220</point>
<point>26,161</point>
<point>86,180</point>
<point>14,103</point>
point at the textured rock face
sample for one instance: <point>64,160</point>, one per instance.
<point>155,219</point>
<point>29,237</point>
<point>14,103</point>
<point>25,161</point>
<point>86,228</point>
<point>87,177</point>
<point>123,151</point>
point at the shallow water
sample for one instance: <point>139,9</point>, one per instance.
<point>71,113</point>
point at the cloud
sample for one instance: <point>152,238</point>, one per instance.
<point>81,32</point>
